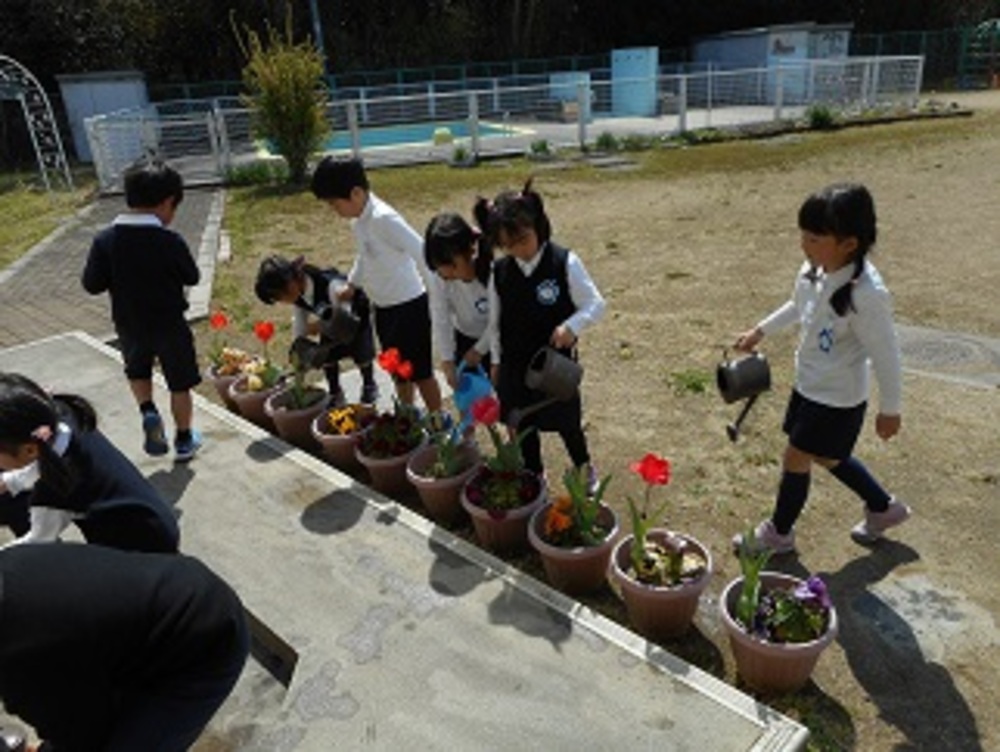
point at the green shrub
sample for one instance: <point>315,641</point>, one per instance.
<point>286,94</point>
<point>607,142</point>
<point>703,136</point>
<point>540,147</point>
<point>637,142</point>
<point>821,117</point>
<point>258,172</point>
<point>691,381</point>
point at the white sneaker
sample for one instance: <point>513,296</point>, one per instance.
<point>766,538</point>
<point>871,528</point>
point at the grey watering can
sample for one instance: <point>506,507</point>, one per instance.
<point>743,378</point>
<point>552,373</point>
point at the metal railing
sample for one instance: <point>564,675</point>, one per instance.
<point>206,139</point>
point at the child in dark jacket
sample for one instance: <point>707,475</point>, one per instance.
<point>58,469</point>
<point>145,267</point>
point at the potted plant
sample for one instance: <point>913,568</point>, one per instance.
<point>385,446</point>
<point>502,494</point>
<point>224,362</point>
<point>440,469</point>
<point>259,378</point>
<point>778,625</point>
<point>337,431</point>
<point>574,535</point>
<point>658,573</point>
<point>294,408</point>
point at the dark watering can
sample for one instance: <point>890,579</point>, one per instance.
<point>552,373</point>
<point>744,378</point>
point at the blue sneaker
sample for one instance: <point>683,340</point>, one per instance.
<point>186,449</point>
<point>156,440</point>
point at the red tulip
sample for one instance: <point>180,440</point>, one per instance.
<point>388,360</point>
<point>218,320</point>
<point>405,370</point>
<point>263,330</point>
<point>486,411</point>
<point>655,470</point>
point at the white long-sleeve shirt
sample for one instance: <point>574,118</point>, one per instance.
<point>389,264</point>
<point>582,291</point>
<point>463,306</point>
<point>831,362</point>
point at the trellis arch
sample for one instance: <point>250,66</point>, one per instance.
<point>16,82</point>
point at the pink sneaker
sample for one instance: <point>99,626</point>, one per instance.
<point>871,528</point>
<point>767,538</point>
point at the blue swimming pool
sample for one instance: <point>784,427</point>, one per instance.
<point>408,134</point>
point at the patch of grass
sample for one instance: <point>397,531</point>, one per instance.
<point>607,141</point>
<point>258,172</point>
<point>30,212</point>
<point>691,381</point>
<point>821,117</point>
<point>637,142</point>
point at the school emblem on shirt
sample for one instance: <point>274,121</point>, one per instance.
<point>482,305</point>
<point>547,292</point>
<point>826,339</point>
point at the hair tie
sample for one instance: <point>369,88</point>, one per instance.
<point>42,434</point>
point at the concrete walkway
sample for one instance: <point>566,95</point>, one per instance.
<point>391,632</point>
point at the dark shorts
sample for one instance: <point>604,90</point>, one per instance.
<point>172,346</point>
<point>407,327</point>
<point>821,430</point>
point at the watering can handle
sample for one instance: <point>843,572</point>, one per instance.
<point>463,366</point>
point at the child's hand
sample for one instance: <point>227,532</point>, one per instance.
<point>345,293</point>
<point>748,341</point>
<point>494,373</point>
<point>887,426</point>
<point>562,337</point>
<point>472,357</point>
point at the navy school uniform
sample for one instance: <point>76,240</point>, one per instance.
<point>111,502</point>
<point>111,650</point>
<point>530,309</point>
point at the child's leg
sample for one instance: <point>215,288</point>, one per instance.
<point>575,442</point>
<point>142,390</point>
<point>531,451</point>
<point>332,373</point>
<point>793,489</point>
<point>853,474</point>
<point>430,393</point>
<point>182,410</point>
<point>155,442</point>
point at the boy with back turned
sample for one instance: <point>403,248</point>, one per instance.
<point>145,267</point>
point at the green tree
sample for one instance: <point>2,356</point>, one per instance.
<point>286,94</point>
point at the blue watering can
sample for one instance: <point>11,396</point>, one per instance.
<point>473,384</point>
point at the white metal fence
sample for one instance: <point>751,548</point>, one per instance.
<point>206,139</point>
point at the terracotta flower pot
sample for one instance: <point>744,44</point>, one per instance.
<point>771,667</point>
<point>578,570</point>
<point>388,474</point>
<point>442,496</point>
<point>221,384</point>
<point>293,424</point>
<point>658,613</point>
<point>338,448</point>
<point>251,403</point>
<point>504,529</point>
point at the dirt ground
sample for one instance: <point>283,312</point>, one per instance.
<point>686,261</point>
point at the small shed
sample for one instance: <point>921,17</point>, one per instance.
<point>791,46</point>
<point>88,94</point>
<point>767,46</point>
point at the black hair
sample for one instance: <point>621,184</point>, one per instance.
<point>448,235</point>
<point>149,183</point>
<point>512,211</point>
<point>336,178</point>
<point>844,210</point>
<point>24,408</point>
<point>274,275</point>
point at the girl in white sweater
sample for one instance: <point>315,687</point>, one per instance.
<point>845,315</point>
